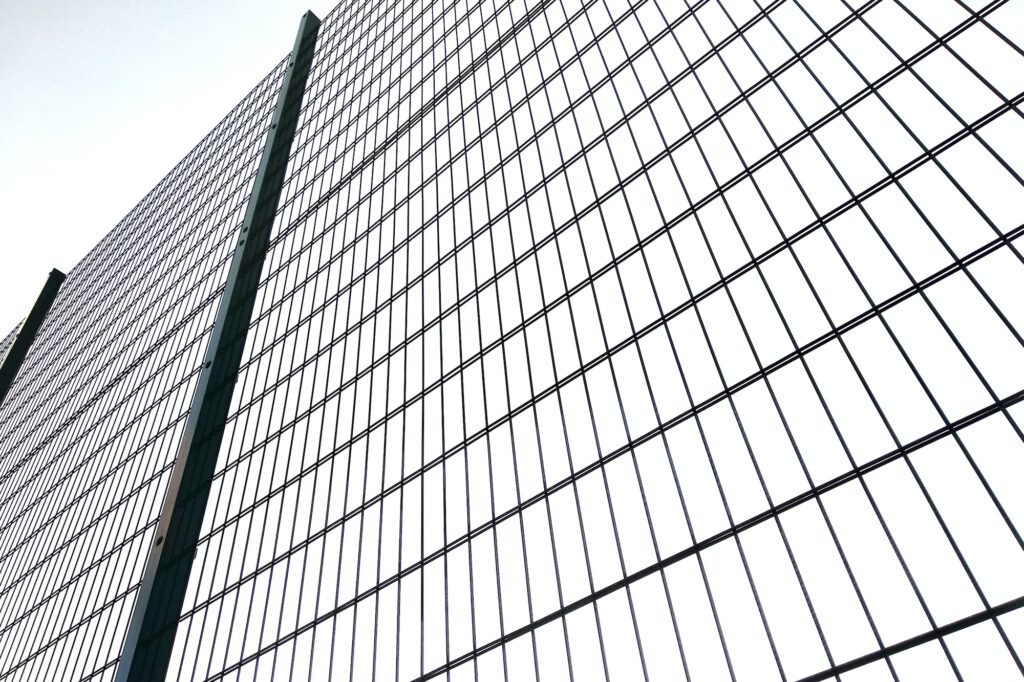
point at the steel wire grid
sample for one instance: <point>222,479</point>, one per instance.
<point>662,341</point>
<point>595,340</point>
<point>7,341</point>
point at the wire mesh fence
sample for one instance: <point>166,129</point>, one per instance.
<point>594,340</point>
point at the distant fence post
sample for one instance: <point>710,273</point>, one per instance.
<point>19,348</point>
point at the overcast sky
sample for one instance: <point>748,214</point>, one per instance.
<point>98,100</point>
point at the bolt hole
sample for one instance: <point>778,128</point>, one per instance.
<point>159,540</point>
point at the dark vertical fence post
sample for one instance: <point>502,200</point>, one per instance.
<point>150,637</point>
<point>19,348</point>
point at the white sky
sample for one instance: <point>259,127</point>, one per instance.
<point>98,100</point>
